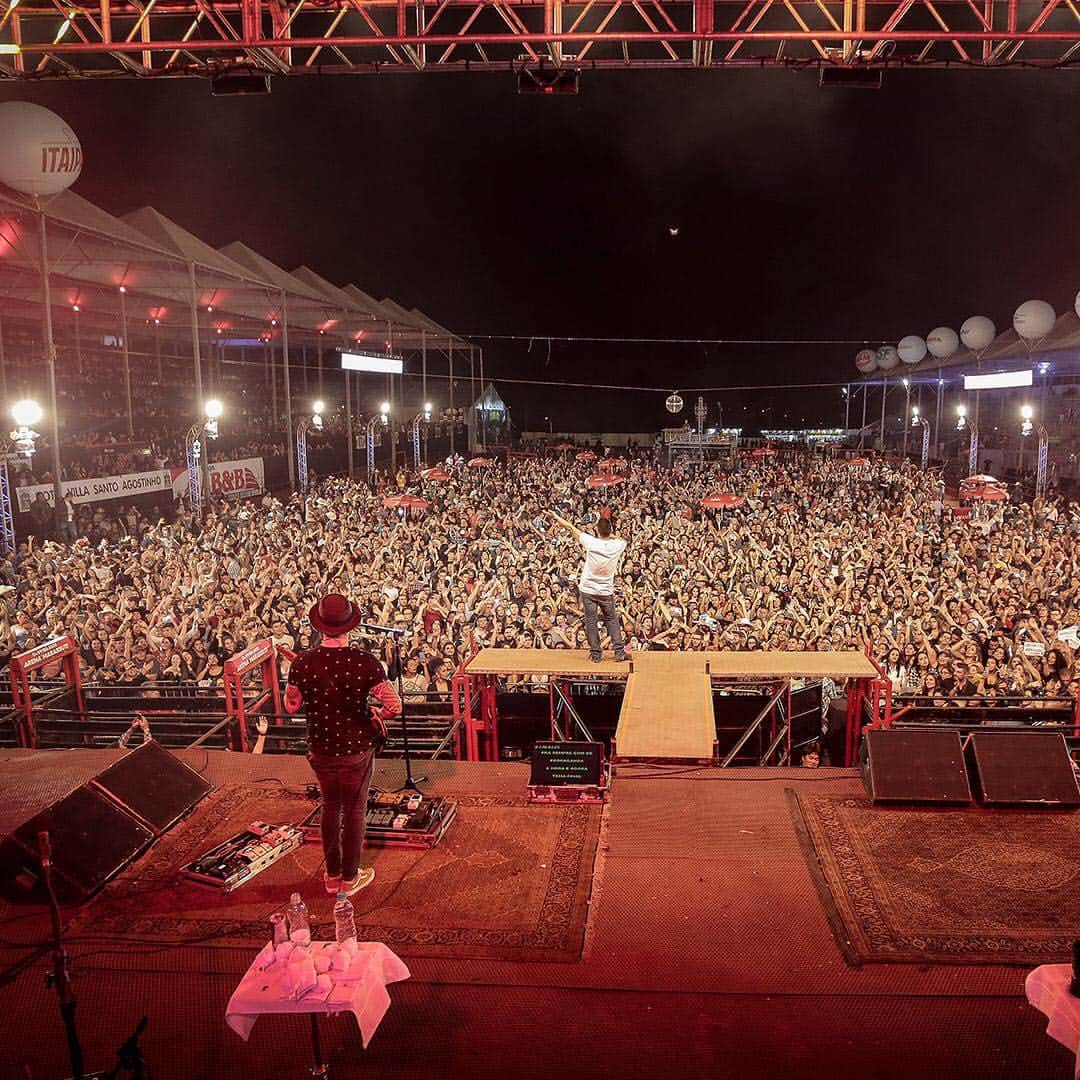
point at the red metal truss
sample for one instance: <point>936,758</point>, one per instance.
<point>153,38</point>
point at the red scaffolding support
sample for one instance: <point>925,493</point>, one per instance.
<point>261,657</point>
<point>62,649</point>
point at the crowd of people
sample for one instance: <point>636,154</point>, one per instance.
<point>821,554</point>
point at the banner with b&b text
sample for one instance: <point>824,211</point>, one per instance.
<point>226,478</point>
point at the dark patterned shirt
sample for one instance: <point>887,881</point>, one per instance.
<point>335,684</point>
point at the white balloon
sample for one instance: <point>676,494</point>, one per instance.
<point>887,357</point>
<point>1034,319</point>
<point>39,153</point>
<point>866,361</point>
<point>1077,305</point>
<point>977,333</point>
<point>942,342</point>
<point>911,349</point>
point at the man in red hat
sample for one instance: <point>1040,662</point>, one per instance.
<point>332,683</point>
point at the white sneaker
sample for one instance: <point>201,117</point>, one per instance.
<point>362,880</point>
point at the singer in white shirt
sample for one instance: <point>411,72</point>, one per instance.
<point>596,585</point>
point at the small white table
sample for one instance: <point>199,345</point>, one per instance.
<point>361,990</point>
<point>1047,988</point>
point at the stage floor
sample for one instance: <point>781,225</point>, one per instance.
<point>707,953</point>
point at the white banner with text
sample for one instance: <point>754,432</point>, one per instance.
<point>226,478</point>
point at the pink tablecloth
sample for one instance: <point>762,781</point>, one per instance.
<point>1047,988</point>
<point>361,990</point>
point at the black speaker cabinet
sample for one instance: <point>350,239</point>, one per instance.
<point>92,839</point>
<point>1023,768</point>
<point>100,827</point>
<point>914,766</point>
<point>153,785</point>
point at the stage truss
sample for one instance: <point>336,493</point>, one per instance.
<point>155,38</point>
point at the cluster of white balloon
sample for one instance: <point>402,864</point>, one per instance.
<point>1032,321</point>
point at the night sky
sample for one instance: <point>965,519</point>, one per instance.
<point>802,212</point>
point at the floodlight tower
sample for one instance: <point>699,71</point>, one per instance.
<point>423,417</point>
<point>383,418</point>
<point>206,427</point>
<point>314,421</point>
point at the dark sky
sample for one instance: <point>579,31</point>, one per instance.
<point>803,212</point>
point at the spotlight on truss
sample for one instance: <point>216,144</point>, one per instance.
<point>548,80</point>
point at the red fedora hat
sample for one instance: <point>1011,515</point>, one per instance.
<point>335,615</point>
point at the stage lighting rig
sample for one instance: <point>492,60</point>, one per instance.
<point>548,80</point>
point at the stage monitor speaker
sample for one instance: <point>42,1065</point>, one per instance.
<point>914,766</point>
<point>153,785</point>
<point>1023,768</point>
<point>92,839</point>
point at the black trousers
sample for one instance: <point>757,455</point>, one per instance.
<point>344,783</point>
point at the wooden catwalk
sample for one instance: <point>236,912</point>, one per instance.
<point>667,710</point>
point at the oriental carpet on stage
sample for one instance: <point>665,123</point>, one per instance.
<point>507,881</point>
<point>946,886</point>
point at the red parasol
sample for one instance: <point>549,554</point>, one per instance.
<point>986,494</point>
<point>602,480</point>
<point>414,502</point>
<point>612,464</point>
<point>762,452</point>
<point>585,455</point>
<point>979,480</point>
<point>480,463</point>
<point>435,474</point>
<point>858,461</point>
<point>393,502</point>
<point>723,501</point>
<point>563,446</point>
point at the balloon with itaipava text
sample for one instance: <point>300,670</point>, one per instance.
<point>39,153</point>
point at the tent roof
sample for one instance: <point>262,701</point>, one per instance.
<point>95,252</point>
<point>239,253</point>
<point>365,302</point>
<point>305,306</point>
<point>490,399</point>
<point>175,238</point>
<point>70,208</point>
<point>95,249</point>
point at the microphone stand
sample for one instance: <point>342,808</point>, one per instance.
<point>60,976</point>
<point>396,634</point>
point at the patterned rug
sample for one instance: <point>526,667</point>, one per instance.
<point>943,886</point>
<point>507,881</point>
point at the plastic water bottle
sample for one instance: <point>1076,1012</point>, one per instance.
<point>344,922</point>
<point>299,921</point>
